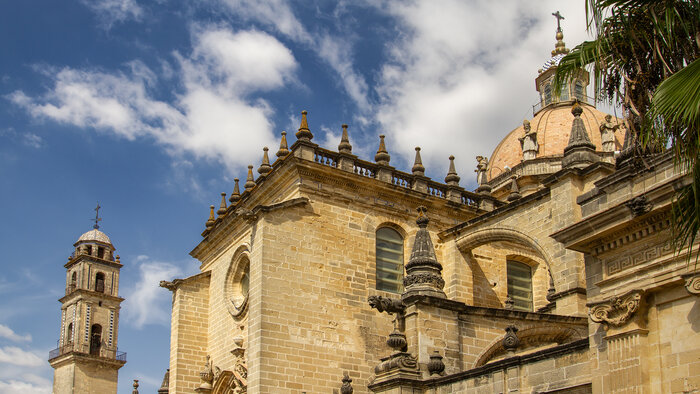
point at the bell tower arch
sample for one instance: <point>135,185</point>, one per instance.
<point>87,359</point>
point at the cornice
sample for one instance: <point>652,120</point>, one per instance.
<point>87,294</point>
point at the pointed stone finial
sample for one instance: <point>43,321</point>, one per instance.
<point>452,178</point>
<point>579,135</point>
<point>346,388</point>
<point>382,157</point>
<point>265,167</point>
<point>551,291</point>
<point>345,146</point>
<point>212,219</point>
<point>304,134</point>
<point>284,149</point>
<point>165,386</point>
<point>222,207</point>
<point>236,195</point>
<point>250,181</point>
<point>514,190</point>
<point>418,168</point>
<point>423,271</point>
<point>136,387</point>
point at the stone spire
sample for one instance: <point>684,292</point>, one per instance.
<point>250,181</point>
<point>452,178</point>
<point>514,190</point>
<point>165,386</point>
<point>236,195</point>
<point>382,157</point>
<point>579,136</point>
<point>212,220</point>
<point>222,207</point>
<point>345,146</point>
<point>284,149</point>
<point>418,168</point>
<point>304,134</point>
<point>423,272</point>
<point>265,167</point>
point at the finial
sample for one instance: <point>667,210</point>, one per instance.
<point>136,387</point>
<point>576,110</point>
<point>514,190</point>
<point>265,168</point>
<point>222,207</point>
<point>345,146</point>
<point>423,271</point>
<point>382,157</point>
<point>560,46</point>
<point>304,134</point>
<point>250,181</point>
<point>236,195</point>
<point>97,219</point>
<point>284,150</point>
<point>452,178</point>
<point>418,168</point>
<point>212,220</point>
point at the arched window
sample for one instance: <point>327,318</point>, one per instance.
<point>564,93</point>
<point>69,334</point>
<point>547,94</point>
<point>578,91</point>
<point>520,285</point>
<point>389,260</point>
<point>100,282</point>
<point>95,339</point>
<point>73,280</point>
<point>101,252</point>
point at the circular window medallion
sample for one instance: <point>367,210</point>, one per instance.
<point>237,284</point>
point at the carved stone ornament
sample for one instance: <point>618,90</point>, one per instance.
<point>511,341</point>
<point>433,280</point>
<point>435,365</point>
<point>207,375</point>
<point>346,388</point>
<point>397,341</point>
<point>692,284</point>
<point>618,311</point>
<point>639,205</point>
<point>401,361</point>
<point>386,304</point>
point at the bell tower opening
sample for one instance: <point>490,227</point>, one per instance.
<point>95,339</point>
<point>100,282</point>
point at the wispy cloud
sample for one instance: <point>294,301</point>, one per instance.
<point>16,356</point>
<point>21,387</point>
<point>219,116</point>
<point>112,11</point>
<point>147,303</point>
<point>8,333</point>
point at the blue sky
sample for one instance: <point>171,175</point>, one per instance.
<point>152,107</point>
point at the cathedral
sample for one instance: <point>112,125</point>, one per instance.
<point>324,272</point>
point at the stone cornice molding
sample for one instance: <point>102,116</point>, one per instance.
<point>617,311</point>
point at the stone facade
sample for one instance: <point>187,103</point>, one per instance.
<point>555,277</point>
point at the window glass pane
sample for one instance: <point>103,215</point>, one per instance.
<point>520,285</point>
<point>389,260</point>
<point>547,94</point>
<point>578,91</point>
<point>564,93</point>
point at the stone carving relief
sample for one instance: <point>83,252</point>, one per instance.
<point>617,311</point>
<point>607,134</point>
<point>639,258</point>
<point>692,284</point>
<point>639,205</point>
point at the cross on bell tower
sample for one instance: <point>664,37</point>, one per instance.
<point>97,219</point>
<point>559,17</point>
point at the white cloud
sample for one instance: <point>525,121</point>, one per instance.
<point>111,11</point>
<point>275,13</point>
<point>146,302</point>
<point>464,72</point>
<point>216,117</point>
<point>19,387</point>
<point>7,332</point>
<point>16,356</point>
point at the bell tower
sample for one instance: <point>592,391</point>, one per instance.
<point>87,359</point>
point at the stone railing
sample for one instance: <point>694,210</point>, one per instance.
<point>398,178</point>
<point>583,99</point>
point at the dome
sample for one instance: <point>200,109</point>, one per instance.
<point>95,235</point>
<point>553,126</point>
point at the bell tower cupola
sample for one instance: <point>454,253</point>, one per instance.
<point>87,359</point>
